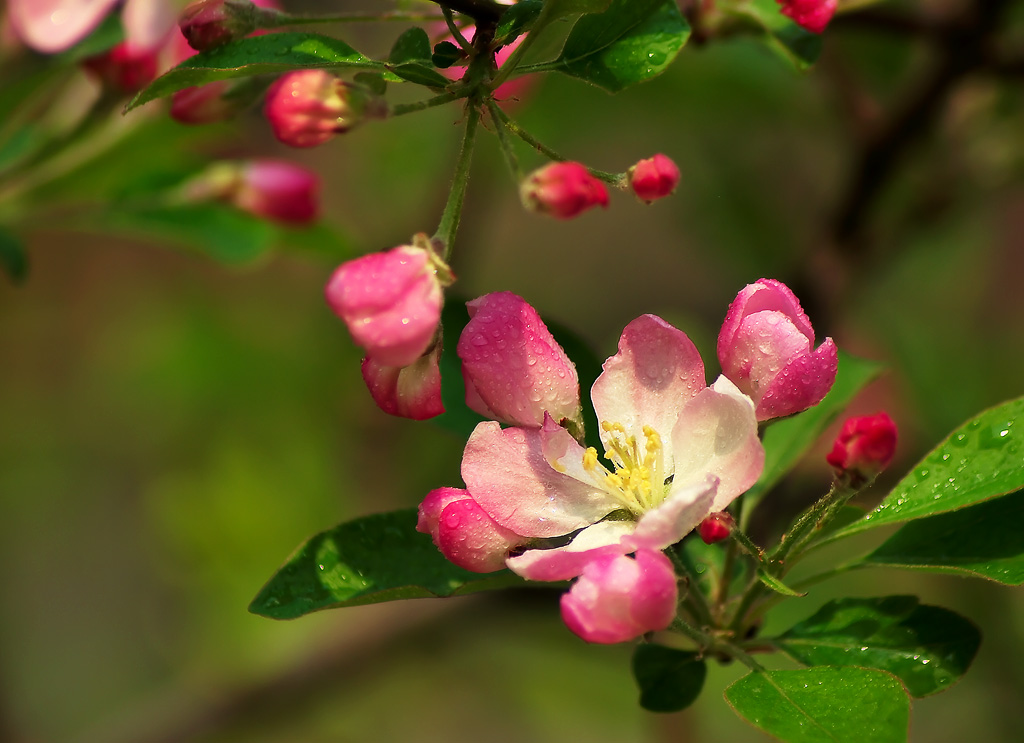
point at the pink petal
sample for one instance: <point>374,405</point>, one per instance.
<point>676,517</point>
<point>509,476</point>
<point>412,391</point>
<point>514,369</point>
<point>801,384</point>
<point>620,598</point>
<point>717,435</point>
<point>655,372</point>
<point>463,532</point>
<point>148,23</point>
<point>51,26</point>
<point>563,563</point>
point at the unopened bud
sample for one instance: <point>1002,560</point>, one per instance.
<point>562,190</point>
<point>813,15</point>
<point>716,527</point>
<point>306,108</point>
<point>412,391</point>
<point>654,178</point>
<point>203,104</point>
<point>211,23</point>
<point>125,68</point>
<point>864,447</point>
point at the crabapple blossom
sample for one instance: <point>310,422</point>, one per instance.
<point>124,68</point>
<point>514,370</point>
<point>765,348</point>
<point>654,178</point>
<point>207,24</point>
<point>618,598</point>
<point>563,190</point>
<point>813,15</point>
<point>278,190</point>
<point>412,391</point>
<point>864,447</point>
<point>51,26</point>
<point>391,302</point>
<point>306,108</point>
<point>463,532</point>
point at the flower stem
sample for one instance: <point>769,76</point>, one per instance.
<point>287,19</point>
<point>455,31</point>
<point>501,132</point>
<point>438,100</point>
<point>810,521</point>
<point>456,197</point>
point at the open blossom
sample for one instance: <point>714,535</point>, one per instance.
<point>813,15</point>
<point>51,26</point>
<point>391,302</point>
<point>513,368</point>
<point>766,348</point>
<point>675,452</point>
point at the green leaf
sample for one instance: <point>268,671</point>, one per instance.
<point>562,8</point>
<point>412,46</point>
<point>669,679</point>
<point>777,585</point>
<point>517,20</point>
<point>927,647</point>
<point>446,54</point>
<point>980,460</point>
<point>414,72</point>
<point>983,541</point>
<point>793,43</point>
<point>633,41</point>
<point>787,440</point>
<point>12,256</point>
<point>367,561</point>
<point>707,563</point>
<point>270,54</point>
<point>826,704</point>
<point>372,81</point>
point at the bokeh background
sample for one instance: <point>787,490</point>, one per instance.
<point>172,425</point>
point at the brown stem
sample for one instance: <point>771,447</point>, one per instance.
<point>484,12</point>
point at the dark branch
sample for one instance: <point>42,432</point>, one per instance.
<point>482,11</point>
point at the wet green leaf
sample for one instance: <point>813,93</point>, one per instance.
<point>12,257</point>
<point>826,704</point>
<point>517,20</point>
<point>983,541</point>
<point>270,54</point>
<point>669,679</point>
<point>372,559</point>
<point>793,43</point>
<point>563,8</point>
<point>412,46</point>
<point>787,440</point>
<point>414,72</point>
<point>927,647</point>
<point>632,41</point>
<point>980,460</point>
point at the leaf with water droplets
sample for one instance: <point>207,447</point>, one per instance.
<point>983,541</point>
<point>270,54</point>
<point>826,704</point>
<point>980,460</point>
<point>927,647</point>
<point>632,41</point>
<point>366,561</point>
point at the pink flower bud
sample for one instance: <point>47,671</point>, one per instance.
<point>514,369</point>
<point>562,190</point>
<point>391,303</point>
<point>716,527</point>
<point>203,104</point>
<point>765,348</point>
<point>412,391</point>
<point>618,598</point>
<point>813,15</point>
<point>211,23</point>
<point>463,532</point>
<point>864,447</point>
<point>125,68</point>
<point>306,108</point>
<point>654,178</point>
<point>277,190</point>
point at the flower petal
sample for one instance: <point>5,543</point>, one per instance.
<point>563,563</point>
<point>676,517</point>
<point>655,372</point>
<point>801,384</point>
<point>51,26</point>
<point>717,434</point>
<point>509,476</point>
<point>148,23</point>
<point>463,532</point>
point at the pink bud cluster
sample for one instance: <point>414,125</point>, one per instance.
<point>864,447</point>
<point>567,189</point>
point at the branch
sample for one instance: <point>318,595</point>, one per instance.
<point>484,12</point>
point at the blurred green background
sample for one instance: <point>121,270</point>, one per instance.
<point>173,427</point>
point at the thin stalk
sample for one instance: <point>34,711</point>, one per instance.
<point>456,197</point>
<point>707,642</point>
<point>501,132</point>
<point>813,518</point>
<point>615,179</point>
<point>286,19</point>
<point>455,31</point>
<point>722,592</point>
<point>696,601</point>
<point>407,108</point>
